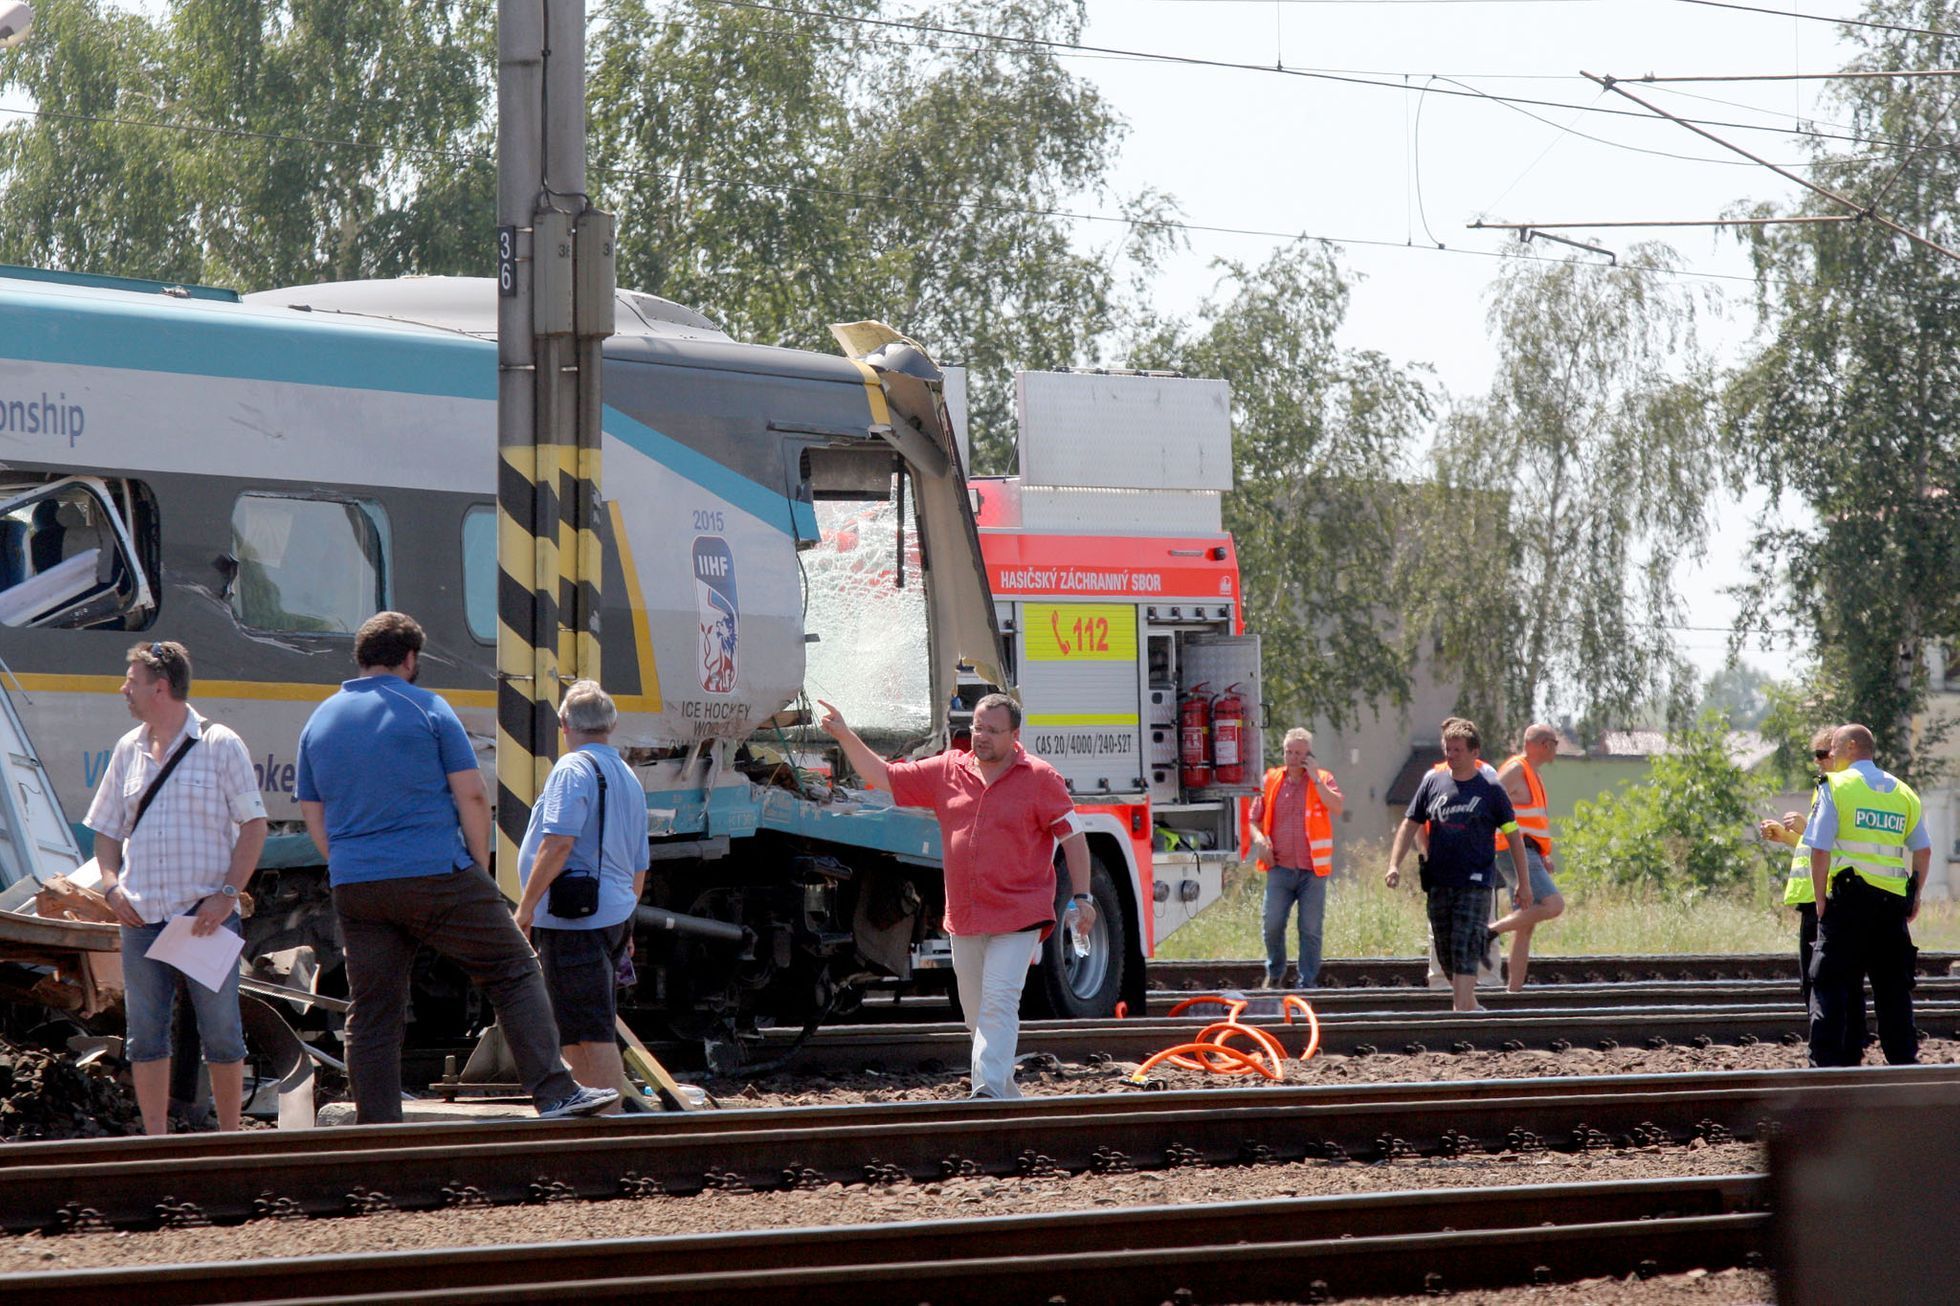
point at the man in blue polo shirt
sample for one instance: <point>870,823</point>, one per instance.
<point>389,787</point>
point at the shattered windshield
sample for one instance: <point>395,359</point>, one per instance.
<point>867,608</point>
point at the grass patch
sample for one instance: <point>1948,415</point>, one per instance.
<point>1365,918</point>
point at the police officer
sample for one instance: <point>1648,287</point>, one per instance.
<point>1868,861</point>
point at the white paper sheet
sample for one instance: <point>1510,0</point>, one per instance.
<point>208,958</point>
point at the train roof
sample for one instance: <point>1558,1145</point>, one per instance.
<point>469,305</point>
<point>362,318</point>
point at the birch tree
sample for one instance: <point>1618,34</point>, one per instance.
<point>1567,497</point>
<point>1852,405</point>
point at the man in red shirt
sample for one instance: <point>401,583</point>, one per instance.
<point>1293,845</point>
<point>1000,814</point>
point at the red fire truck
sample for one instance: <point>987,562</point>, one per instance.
<point>1117,593</point>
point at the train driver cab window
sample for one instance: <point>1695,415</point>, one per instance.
<point>308,564</point>
<point>77,553</point>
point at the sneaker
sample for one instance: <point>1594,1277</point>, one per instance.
<point>1270,983</point>
<point>584,1102</point>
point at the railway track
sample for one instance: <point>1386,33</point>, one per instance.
<point>1682,993</point>
<point>134,1183</point>
<point>1379,972</point>
<point>890,1047</point>
<point>1312,1248</point>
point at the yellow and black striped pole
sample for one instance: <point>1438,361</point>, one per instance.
<point>527,621</point>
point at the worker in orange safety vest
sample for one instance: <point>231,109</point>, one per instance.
<point>1293,844</point>
<point>1519,776</point>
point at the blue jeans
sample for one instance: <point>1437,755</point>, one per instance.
<point>1286,887</point>
<point>149,989</point>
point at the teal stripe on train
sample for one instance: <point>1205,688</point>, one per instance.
<point>193,338</point>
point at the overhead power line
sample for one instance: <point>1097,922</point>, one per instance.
<point>1712,4</point>
<point>1825,18</point>
<point>1866,212</point>
<point>1010,43</point>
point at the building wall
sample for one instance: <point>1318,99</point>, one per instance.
<point>1365,758</point>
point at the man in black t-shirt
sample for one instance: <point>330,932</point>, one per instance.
<point>1463,810</point>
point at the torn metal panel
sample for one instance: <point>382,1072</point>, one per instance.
<point>909,385</point>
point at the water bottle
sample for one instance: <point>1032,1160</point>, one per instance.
<point>1078,938</point>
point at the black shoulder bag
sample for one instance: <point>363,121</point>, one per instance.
<point>576,894</point>
<point>149,795</point>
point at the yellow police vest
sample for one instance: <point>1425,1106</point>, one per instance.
<point>1871,830</point>
<point>1797,889</point>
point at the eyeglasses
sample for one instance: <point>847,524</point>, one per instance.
<point>1820,753</point>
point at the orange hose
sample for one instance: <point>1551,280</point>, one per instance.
<point>1210,1053</point>
<point>1205,1039</point>
<point>1233,1006</point>
<point>1224,1030</point>
<point>1208,1049</point>
<point>1287,1005</point>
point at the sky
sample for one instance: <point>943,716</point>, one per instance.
<point>1395,173</point>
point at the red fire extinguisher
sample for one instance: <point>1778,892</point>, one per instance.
<point>1193,743</point>
<point>1228,737</point>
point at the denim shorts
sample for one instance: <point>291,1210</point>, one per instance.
<point>1542,884</point>
<point>581,971</point>
<point>150,989</point>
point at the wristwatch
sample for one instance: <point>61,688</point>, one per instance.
<point>228,890</point>
<point>1084,897</point>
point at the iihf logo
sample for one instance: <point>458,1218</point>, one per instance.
<point>720,614</point>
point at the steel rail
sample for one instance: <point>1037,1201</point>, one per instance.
<point>1215,1228</point>
<point>1370,1267</point>
<point>1350,972</point>
<point>1560,996</point>
<point>891,1047</point>
<point>416,1167</point>
<point>16,1158</point>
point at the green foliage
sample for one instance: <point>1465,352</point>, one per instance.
<point>1365,918</point>
<point>1741,693</point>
<point>81,193</point>
<point>252,142</point>
<point>1318,433</point>
<point>1585,475</point>
<point>1853,402</point>
<point>785,174</point>
<point>1688,825</point>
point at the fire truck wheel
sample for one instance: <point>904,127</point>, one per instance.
<point>1064,986</point>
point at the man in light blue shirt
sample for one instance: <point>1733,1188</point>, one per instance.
<point>1868,860</point>
<point>589,824</point>
<point>1821,833</point>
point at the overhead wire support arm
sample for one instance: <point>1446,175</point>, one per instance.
<point>1858,210</point>
<point>1528,234</point>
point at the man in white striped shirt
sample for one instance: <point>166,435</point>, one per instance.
<point>189,851</point>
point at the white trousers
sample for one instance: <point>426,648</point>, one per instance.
<point>991,968</point>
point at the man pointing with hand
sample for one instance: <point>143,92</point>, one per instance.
<point>1000,813</point>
